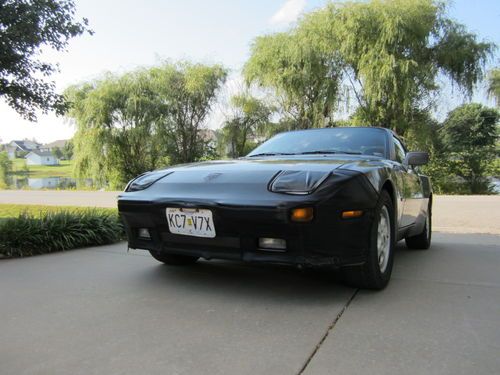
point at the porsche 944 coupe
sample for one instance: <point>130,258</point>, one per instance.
<point>338,197</point>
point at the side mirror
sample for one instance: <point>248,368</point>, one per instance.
<point>416,158</point>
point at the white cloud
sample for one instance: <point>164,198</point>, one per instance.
<point>288,13</point>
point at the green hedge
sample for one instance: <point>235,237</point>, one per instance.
<point>45,231</point>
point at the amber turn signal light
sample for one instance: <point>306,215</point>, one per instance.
<point>351,214</point>
<point>302,214</point>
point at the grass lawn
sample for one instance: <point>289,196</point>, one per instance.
<point>14,210</point>
<point>64,169</point>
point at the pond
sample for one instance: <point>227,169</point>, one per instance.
<point>15,182</point>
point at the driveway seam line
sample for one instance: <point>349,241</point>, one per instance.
<point>325,335</point>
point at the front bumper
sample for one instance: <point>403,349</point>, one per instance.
<point>327,240</point>
<point>241,217</point>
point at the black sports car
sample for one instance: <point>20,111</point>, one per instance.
<point>338,197</point>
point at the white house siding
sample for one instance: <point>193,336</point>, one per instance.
<point>34,159</point>
<point>11,153</point>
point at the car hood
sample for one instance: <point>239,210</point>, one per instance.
<point>241,178</point>
<point>325,163</point>
<point>258,170</point>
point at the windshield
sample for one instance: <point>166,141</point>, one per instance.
<point>360,141</point>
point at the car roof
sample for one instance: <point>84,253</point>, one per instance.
<point>340,127</point>
<point>344,127</point>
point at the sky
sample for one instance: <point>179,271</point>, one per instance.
<point>129,34</point>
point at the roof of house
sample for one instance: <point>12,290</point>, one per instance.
<point>24,145</point>
<point>40,153</point>
<point>59,143</point>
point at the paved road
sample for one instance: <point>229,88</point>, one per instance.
<point>106,311</point>
<point>467,213</point>
<point>60,197</point>
<point>452,214</point>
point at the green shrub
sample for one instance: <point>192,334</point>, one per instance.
<point>5,168</point>
<point>46,232</point>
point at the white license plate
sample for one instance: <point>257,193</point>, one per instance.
<point>191,222</point>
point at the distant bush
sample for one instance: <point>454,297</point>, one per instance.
<point>50,231</point>
<point>5,168</point>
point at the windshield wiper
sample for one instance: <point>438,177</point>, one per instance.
<point>270,154</point>
<point>329,152</point>
<point>305,153</point>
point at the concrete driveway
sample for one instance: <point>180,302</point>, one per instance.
<point>106,311</point>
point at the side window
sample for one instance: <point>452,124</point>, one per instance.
<point>399,150</point>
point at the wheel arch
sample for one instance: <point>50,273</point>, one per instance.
<point>388,186</point>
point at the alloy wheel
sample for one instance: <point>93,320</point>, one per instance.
<point>383,239</point>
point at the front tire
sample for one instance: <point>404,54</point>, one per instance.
<point>376,272</point>
<point>173,259</point>
<point>422,241</point>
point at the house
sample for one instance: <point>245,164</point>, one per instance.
<point>37,157</point>
<point>20,148</point>
<point>60,144</point>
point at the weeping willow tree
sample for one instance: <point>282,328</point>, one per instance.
<point>187,93</point>
<point>132,123</point>
<point>117,119</point>
<point>494,85</point>
<point>390,53</point>
<point>248,121</point>
<point>305,81</point>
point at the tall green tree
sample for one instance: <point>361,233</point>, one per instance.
<point>27,26</point>
<point>131,123</point>
<point>494,85</point>
<point>57,152</point>
<point>115,120</point>
<point>469,136</point>
<point>186,93</point>
<point>67,150</point>
<point>389,52</point>
<point>305,80</point>
<point>248,120</point>
<point>394,51</point>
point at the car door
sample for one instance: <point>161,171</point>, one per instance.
<point>411,190</point>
